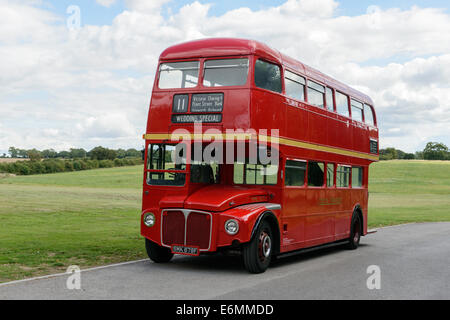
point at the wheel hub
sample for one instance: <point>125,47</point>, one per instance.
<point>265,246</point>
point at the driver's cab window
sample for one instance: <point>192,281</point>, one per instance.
<point>165,163</point>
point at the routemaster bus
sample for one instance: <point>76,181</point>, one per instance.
<point>251,151</point>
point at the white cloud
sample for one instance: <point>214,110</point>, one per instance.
<point>80,82</point>
<point>106,3</point>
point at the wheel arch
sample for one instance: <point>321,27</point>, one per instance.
<point>358,210</point>
<point>271,218</point>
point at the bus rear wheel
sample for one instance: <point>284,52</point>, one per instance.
<point>157,253</point>
<point>355,233</point>
<point>257,254</point>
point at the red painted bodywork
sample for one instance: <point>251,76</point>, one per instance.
<point>308,216</point>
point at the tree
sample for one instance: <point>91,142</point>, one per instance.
<point>34,155</point>
<point>78,153</point>
<point>22,153</point>
<point>388,154</point>
<point>49,154</point>
<point>435,151</point>
<point>100,153</point>
<point>13,152</point>
<point>133,153</point>
<point>64,154</point>
<point>121,153</point>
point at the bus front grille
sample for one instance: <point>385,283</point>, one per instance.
<point>185,227</point>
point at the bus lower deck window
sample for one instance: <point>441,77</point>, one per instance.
<point>342,176</point>
<point>295,173</point>
<point>316,174</point>
<point>357,177</point>
<point>255,174</point>
<point>330,175</point>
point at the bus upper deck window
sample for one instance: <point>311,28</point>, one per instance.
<point>357,110</point>
<point>267,76</point>
<point>368,115</point>
<point>329,98</point>
<point>342,104</point>
<point>316,94</point>
<point>295,85</point>
<point>226,72</point>
<point>177,75</point>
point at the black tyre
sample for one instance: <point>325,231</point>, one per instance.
<point>157,253</point>
<point>355,232</point>
<point>257,254</point>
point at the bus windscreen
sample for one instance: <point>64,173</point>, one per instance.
<point>225,72</point>
<point>177,75</point>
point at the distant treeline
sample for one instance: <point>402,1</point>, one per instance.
<point>98,153</point>
<point>58,165</point>
<point>432,151</point>
<point>51,161</point>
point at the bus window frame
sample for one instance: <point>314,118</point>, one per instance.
<point>316,82</point>
<point>349,116</point>
<point>361,109</point>
<point>349,187</point>
<point>334,175</point>
<point>253,68</point>
<point>333,99</point>
<point>158,73</point>
<point>374,117</point>
<point>303,84</point>
<point>305,180</point>
<point>148,158</point>
<point>363,170</point>
<point>324,185</point>
<point>200,85</point>
<point>244,175</point>
<point>249,74</point>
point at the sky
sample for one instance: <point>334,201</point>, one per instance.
<point>79,73</point>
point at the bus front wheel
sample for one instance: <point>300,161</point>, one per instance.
<point>355,232</point>
<point>157,253</point>
<point>257,254</point>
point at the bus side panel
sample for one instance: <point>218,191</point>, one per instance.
<point>268,111</point>
<point>319,223</point>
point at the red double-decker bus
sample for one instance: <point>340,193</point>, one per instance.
<point>321,136</point>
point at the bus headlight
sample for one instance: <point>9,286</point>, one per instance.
<point>149,219</point>
<point>232,227</point>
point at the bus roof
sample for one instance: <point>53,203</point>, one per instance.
<point>216,47</point>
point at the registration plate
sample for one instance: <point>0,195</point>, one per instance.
<point>189,251</point>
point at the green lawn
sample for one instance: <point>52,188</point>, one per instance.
<point>88,218</point>
<point>409,191</point>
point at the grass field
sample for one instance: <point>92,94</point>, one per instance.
<point>88,218</point>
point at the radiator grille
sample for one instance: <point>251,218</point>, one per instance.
<point>173,227</point>
<point>183,227</point>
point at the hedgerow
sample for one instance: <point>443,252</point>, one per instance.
<point>57,165</point>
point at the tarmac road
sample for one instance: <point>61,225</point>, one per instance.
<point>414,262</point>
